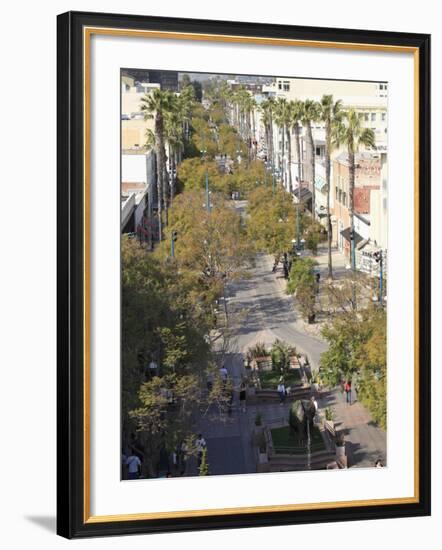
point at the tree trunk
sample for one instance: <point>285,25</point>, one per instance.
<point>327,179</point>
<point>298,154</point>
<point>253,133</point>
<point>173,172</point>
<point>165,191</point>
<point>282,167</point>
<point>312,161</point>
<point>159,149</point>
<point>351,191</point>
<point>289,144</point>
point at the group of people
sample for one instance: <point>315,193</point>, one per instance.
<point>286,265</point>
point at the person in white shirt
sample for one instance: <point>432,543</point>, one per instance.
<point>223,373</point>
<point>133,466</point>
<point>281,392</point>
<point>200,444</point>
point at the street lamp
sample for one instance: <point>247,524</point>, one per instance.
<point>173,238</point>
<point>207,194</point>
<point>203,152</point>
<point>379,259</point>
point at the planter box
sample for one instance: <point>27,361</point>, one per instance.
<point>258,437</point>
<point>340,452</point>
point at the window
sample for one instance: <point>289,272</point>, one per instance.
<point>318,151</point>
<point>336,195</point>
<point>344,198</point>
<point>373,117</point>
<point>279,85</point>
<point>367,116</point>
<point>384,117</point>
<point>286,86</point>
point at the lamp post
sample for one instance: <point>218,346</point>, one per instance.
<point>379,259</point>
<point>203,152</point>
<point>207,193</point>
<point>173,238</point>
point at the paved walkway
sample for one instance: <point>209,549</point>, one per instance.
<point>365,441</point>
<point>266,312</point>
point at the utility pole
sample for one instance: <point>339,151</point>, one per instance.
<point>298,243</point>
<point>207,193</point>
<point>379,258</point>
<point>173,238</point>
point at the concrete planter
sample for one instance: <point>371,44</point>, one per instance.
<point>329,425</point>
<point>340,452</point>
<point>258,438</point>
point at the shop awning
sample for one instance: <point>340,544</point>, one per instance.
<point>346,234</point>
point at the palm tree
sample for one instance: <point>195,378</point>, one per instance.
<point>174,132</point>
<point>297,114</point>
<point>331,114</point>
<point>251,107</point>
<point>282,120</point>
<point>155,105</point>
<point>352,134</point>
<point>268,110</point>
<point>311,113</point>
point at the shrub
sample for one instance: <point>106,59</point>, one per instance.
<point>258,350</point>
<point>280,354</point>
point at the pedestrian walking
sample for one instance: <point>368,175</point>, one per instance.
<point>152,368</point>
<point>200,444</point>
<point>281,392</point>
<point>223,373</point>
<point>133,466</point>
<point>242,396</point>
<point>347,389</point>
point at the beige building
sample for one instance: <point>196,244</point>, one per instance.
<point>133,126</point>
<point>367,98</point>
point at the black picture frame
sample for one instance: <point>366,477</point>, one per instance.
<point>71,521</point>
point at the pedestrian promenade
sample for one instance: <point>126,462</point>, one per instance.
<point>365,441</point>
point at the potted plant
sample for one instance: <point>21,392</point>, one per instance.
<point>263,458</point>
<point>329,420</point>
<point>340,445</point>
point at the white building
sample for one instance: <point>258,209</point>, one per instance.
<point>138,192</point>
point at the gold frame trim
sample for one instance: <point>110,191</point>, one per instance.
<point>87,33</point>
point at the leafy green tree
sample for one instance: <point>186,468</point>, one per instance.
<point>271,222</point>
<point>246,178</point>
<point>192,176</point>
<point>302,282</point>
<point>204,466</point>
<point>211,244</point>
<point>301,275</point>
<point>358,351</point>
<point>164,417</point>
<point>163,319</point>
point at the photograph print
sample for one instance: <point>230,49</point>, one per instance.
<point>254,274</point>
